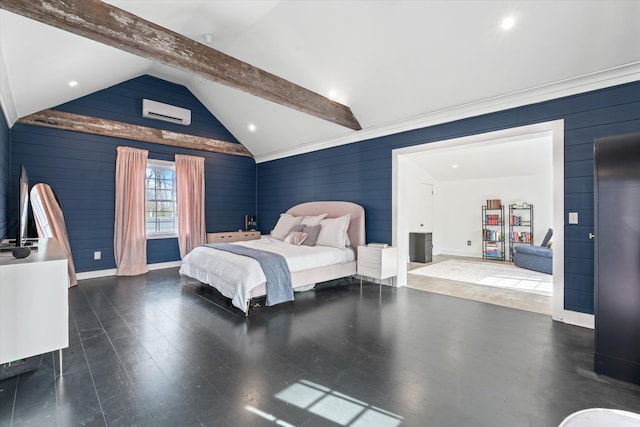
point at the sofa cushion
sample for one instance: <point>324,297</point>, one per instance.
<point>534,250</point>
<point>533,262</point>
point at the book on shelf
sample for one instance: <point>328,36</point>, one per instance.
<point>520,236</point>
<point>494,204</point>
<point>515,220</point>
<point>492,252</point>
<point>492,235</point>
<point>492,219</point>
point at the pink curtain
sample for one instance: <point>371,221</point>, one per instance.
<point>190,197</point>
<point>50,222</point>
<point>130,236</point>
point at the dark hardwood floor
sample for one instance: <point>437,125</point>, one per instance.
<point>160,350</point>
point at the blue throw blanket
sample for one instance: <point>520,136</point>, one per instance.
<point>274,266</point>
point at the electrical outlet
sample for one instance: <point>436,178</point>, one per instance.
<point>468,242</point>
<point>97,255</point>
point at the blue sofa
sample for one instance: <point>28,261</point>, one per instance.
<point>537,258</point>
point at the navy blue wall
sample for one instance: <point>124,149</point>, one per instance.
<point>123,102</point>
<point>4,176</point>
<point>361,172</point>
<point>81,168</point>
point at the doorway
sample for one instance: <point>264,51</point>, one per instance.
<point>555,130</point>
<point>421,209</point>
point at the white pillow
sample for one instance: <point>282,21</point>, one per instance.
<point>333,231</point>
<point>284,225</point>
<point>312,220</point>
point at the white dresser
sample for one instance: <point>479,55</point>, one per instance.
<point>34,305</point>
<point>377,262</point>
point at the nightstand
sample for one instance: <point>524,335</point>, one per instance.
<point>378,263</point>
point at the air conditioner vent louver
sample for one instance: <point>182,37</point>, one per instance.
<point>168,113</point>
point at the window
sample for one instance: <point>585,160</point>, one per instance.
<point>161,213</point>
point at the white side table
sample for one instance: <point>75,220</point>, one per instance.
<point>378,263</point>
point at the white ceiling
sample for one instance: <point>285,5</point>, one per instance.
<point>526,155</point>
<point>398,64</point>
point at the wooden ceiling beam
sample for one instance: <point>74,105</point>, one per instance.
<point>115,27</point>
<point>97,126</point>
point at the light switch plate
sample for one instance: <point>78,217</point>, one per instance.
<point>573,217</point>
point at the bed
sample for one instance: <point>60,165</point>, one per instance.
<point>241,278</point>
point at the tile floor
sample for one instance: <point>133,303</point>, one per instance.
<point>156,350</point>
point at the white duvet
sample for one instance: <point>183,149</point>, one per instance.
<point>236,275</point>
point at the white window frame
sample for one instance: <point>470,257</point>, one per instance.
<point>167,165</point>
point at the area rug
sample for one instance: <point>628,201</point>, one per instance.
<point>499,275</point>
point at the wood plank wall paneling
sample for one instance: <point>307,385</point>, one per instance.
<point>5,177</point>
<point>361,172</point>
<point>81,169</point>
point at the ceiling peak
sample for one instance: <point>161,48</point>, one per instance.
<point>118,28</point>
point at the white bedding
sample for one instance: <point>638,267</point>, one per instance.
<point>236,275</point>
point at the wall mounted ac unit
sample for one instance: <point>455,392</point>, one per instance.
<point>166,112</point>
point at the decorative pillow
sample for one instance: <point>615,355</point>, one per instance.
<point>547,237</point>
<point>312,220</point>
<point>284,225</point>
<point>296,238</point>
<point>333,231</point>
<point>311,231</point>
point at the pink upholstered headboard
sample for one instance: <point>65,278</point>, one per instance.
<point>356,230</point>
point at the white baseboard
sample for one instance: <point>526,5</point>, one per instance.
<point>577,319</point>
<point>95,274</point>
<point>458,252</point>
<point>163,265</point>
<point>112,271</point>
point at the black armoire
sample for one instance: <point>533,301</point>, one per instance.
<point>617,256</point>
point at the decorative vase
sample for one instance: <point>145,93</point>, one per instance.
<point>21,252</point>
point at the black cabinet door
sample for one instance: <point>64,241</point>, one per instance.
<point>617,256</point>
<point>420,247</point>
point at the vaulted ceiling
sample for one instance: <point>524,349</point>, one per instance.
<point>398,65</point>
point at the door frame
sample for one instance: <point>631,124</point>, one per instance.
<point>555,129</point>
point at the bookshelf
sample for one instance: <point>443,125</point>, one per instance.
<point>520,226</point>
<point>493,230</point>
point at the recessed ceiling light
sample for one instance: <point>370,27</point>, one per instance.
<point>508,22</point>
<point>73,83</point>
<point>454,166</point>
<point>252,127</point>
<point>333,94</point>
<point>208,38</point>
